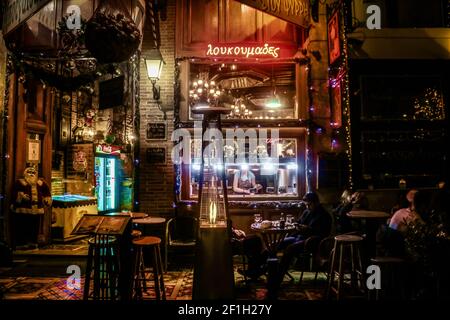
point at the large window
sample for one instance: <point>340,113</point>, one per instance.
<point>255,171</point>
<point>397,97</point>
<point>258,91</point>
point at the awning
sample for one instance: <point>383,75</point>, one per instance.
<point>293,11</point>
<point>17,12</point>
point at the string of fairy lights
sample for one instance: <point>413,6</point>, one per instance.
<point>339,76</point>
<point>346,96</point>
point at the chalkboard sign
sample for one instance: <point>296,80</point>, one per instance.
<point>156,155</point>
<point>156,131</point>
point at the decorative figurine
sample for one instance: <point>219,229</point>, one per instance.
<point>31,195</point>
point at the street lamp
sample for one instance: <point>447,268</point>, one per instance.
<point>154,63</point>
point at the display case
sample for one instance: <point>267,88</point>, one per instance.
<point>107,181</point>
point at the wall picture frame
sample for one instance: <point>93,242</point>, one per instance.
<point>33,151</point>
<point>334,38</point>
<point>157,131</point>
<point>156,155</point>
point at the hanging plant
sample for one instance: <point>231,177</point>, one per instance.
<point>111,35</point>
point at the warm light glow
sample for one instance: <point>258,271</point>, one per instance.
<point>244,166</point>
<point>212,212</point>
<point>154,68</point>
<point>273,103</point>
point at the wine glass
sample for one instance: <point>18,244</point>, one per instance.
<point>258,218</point>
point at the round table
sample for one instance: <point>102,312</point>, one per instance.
<point>367,214</point>
<point>273,236</point>
<point>372,219</point>
<point>149,220</point>
<point>133,215</point>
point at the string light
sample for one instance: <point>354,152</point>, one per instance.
<point>430,106</point>
<point>346,97</point>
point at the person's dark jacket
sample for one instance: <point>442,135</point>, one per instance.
<point>318,220</point>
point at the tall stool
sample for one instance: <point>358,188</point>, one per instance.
<point>152,243</point>
<point>392,278</point>
<point>343,243</point>
<point>103,267</point>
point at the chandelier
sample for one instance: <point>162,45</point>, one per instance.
<point>204,93</point>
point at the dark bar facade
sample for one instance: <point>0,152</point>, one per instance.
<point>237,136</point>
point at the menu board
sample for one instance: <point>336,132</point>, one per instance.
<point>95,224</point>
<point>156,131</point>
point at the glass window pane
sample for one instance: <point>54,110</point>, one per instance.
<point>252,91</point>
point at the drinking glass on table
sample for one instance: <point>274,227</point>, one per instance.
<point>258,218</point>
<point>289,219</point>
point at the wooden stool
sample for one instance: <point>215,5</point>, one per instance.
<point>104,264</point>
<point>343,242</point>
<point>139,273</point>
<point>392,278</point>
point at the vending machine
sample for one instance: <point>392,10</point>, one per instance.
<point>107,183</point>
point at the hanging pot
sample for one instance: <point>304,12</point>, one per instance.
<point>111,35</point>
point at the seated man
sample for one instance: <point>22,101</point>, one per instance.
<point>244,182</point>
<point>315,221</point>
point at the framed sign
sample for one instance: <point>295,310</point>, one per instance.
<point>334,39</point>
<point>156,155</point>
<point>157,131</point>
<point>336,104</point>
<point>33,151</point>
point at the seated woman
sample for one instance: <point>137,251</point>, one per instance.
<point>403,215</point>
<point>394,238</point>
<point>244,182</point>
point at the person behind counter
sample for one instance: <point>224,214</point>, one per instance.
<point>244,182</point>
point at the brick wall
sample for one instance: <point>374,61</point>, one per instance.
<point>58,186</point>
<point>157,181</point>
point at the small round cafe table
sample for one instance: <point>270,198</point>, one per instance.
<point>132,215</point>
<point>372,221</point>
<point>272,238</point>
<point>149,220</point>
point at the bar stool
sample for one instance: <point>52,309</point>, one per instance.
<point>103,262</point>
<point>392,277</point>
<point>341,244</point>
<point>140,271</point>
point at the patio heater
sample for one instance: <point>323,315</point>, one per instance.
<point>213,269</point>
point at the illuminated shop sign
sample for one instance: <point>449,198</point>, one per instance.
<point>108,149</point>
<point>294,11</point>
<point>243,51</point>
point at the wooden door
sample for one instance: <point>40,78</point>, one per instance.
<point>30,118</point>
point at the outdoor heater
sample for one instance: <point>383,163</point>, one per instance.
<point>213,269</point>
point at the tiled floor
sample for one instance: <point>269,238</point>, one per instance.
<point>178,285</point>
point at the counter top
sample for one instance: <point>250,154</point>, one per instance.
<point>68,201</point>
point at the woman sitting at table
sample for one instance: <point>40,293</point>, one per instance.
<point>244,182</point>
<point>393,241</point>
